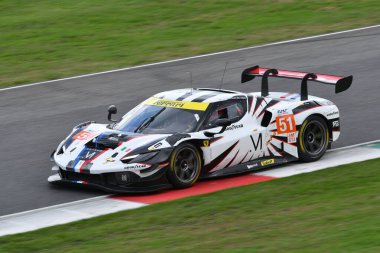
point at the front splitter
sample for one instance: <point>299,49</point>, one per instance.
<point>57,180</point>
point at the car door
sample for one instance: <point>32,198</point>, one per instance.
<point>233,145</point>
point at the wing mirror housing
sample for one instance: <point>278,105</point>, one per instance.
<point>111,110</point>
<point>224,123</point>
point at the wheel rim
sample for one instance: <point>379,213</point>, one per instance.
<point>314,137</point>
<point>186,165</point>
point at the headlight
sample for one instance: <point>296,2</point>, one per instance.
<point>52,156</point>
<point>67,141</point>
<point>61,149</point>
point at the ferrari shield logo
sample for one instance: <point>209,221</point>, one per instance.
<point>206,143</point>
<point>109,160</point>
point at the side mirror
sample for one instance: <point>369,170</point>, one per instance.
<point>224,123</point>
<point>111,110</point>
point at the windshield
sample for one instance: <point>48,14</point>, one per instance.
<point>151,119</point>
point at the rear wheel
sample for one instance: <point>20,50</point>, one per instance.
<point>185,166</point>
<point>313,139</point>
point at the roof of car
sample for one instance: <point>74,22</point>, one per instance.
<point>206,95</point>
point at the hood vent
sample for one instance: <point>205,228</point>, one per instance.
<point>106,141</point>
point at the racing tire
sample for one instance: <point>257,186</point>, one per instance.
<point>313,139</point>
<point>184,166</point>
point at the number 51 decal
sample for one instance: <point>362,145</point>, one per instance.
<point>285,124</point>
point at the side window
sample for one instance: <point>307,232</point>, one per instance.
<point>231,109</point>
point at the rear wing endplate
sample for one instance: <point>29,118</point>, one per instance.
<point>341,83</point>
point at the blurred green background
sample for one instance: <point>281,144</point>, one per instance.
<point>44,39</point>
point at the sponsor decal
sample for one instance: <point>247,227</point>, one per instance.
<point>155,146</point>
<point>88,154</point>
<point>199,106</point>
<point>335,123</point>
<point>292,137</point>
<point>84,135</point>
<point>206,143</point>
<point>267,162</point>
<point>282,111</point>
<point>257,142</point>
<point>285,124</point>
<point>137,166</point>
<point>251,166</point>
<point>332,114</point>
<point>233,127</point>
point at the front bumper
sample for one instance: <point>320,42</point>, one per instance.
<point>150,179</point>
<point>109,182</point>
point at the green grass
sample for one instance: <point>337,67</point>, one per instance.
<point>44,39</point>
<point>334,210</point>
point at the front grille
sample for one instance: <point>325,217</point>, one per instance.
<point>122,179</point>
<point>74,176</point>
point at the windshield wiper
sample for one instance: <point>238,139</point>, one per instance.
<point>143,125</point>
<point>146,122</point>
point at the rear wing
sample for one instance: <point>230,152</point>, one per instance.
<point>341,83</point>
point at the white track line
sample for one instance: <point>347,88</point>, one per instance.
<point>346,155</point>
<point>192,57</point>
<point>353,146</point>
<point>55,206</point>
<point>63,214</point>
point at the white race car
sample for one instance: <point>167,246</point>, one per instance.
<point>176,137</point>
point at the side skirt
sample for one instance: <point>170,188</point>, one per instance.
<point>254,165</point>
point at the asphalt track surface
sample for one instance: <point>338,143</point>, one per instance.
<point>34,119</point>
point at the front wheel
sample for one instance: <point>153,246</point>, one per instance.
<point>313,139</point>
<point>185,166</point>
